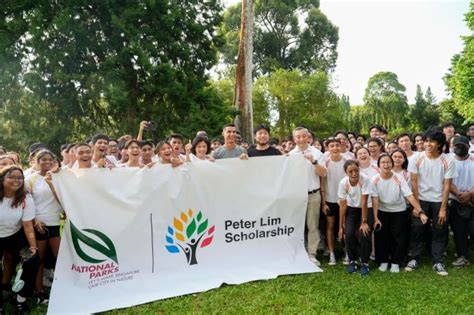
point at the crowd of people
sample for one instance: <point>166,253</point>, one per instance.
<point>371,197</point>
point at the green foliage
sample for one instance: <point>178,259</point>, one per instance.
<point>460,79</point>
<point>385,98</point>
<point>280,40</point>
<point>107,65</point>
<point>287,99</point>
<point>425,112</point>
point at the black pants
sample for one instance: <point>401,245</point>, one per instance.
<point>459,217</point>
<point>391,239</point>
<point>439,233</point>
<point>13,244</point>
<point>357,244</point>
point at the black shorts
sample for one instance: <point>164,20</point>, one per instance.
<point>333,209</point>
<point>13,243</point>
<point>50,232</point>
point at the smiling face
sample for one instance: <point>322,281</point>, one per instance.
<point>45,163</point>
<point>165,153</point>
<point>5,161</point>
<point>201,149</point>
<point>229,134</point>
<point>374,148</point>
<point>405,143</point>
<point>431,146</point>
<point>301,139</point>
<point>386,164</point>
<point>134,151</point>
<point>353,172</point>
<point>100,147</point>
<point>147,152</point>
<point>13,180</point>
<point>262,137</point>
<point>398,159</point>
<point>83,154</point>
<point>362,155</point>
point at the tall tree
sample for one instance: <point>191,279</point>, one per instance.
<point>114,62</point>
<point>385,97</point>
<point>425,112</point>
<point>288,35</point>
<point>460,79</point>
<point>243,79</point>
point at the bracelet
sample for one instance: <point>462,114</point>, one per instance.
<point>33,247</point>
<point>364,220</point>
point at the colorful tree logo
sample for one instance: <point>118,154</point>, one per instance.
<point>187,234</point>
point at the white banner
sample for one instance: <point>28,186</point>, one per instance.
<point>139,235</point>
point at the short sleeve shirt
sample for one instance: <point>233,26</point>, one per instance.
<point>223,153</point>
<point>313,178</point>
<point>431,175</point>
<point>390,192</point>
<point>11,218</point>
<point>353,194</point>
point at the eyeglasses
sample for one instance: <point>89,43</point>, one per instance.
<point>15,178</point>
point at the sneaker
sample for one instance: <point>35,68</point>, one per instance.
<point>412,265</point>
<point>394,268</point>
<point>332,259</point>
<point>314,260</point>
<point>41,298</point>
<point>372,257</point>
<point>352,267</point>
<point>383,267</point>
<point>364,270</point>
<point>439,269</point>
<point>461,262</point>
<point>346,260</point>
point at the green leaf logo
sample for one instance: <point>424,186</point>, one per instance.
<point>108,248</point>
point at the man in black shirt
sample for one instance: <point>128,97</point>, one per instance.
<point>262,137</point>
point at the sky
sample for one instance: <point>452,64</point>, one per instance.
<point>414,39</point>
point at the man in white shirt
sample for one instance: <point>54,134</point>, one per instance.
<point>461,199</point>
<point>431,177</point>
<point>314,171</point>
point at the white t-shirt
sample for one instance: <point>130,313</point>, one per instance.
<point>353,194</point>
<point>431,174</point>
<point>47,208</point>
<point>334,176</point>
<point>391,192</point>
<point>313,178</point>
<point>11,218</point>
<point>370,171</point>
<point>464,180</point>
<point>348,155</point>
<point>413,157</point>
<point>406,176</point>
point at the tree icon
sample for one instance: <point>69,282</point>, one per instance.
<point>187,233</point>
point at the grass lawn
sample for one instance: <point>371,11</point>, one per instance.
<point>333,291</point>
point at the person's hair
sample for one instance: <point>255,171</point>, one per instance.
<point>160,145</point>
<point>99,136</point>
<point>382,156</point>
<point>343,132</point>
<point>393,142</point>
<point>362,136</point>
<point>70,147</point>
<point>273,141</point>
<point>331,140</point>
<point>83,144</point>
<point>130,142</point>
<point>175,136</point>
<point>260,127</point>
<point>114,140</point>
<point>448,124</point>
<point>311,133</point>
<point>228,125</point>
<point>378,141</point>
<point>121,144</point>
<point>216,140</point>
<point>405,157</point>
<point>321,143</point>
<point>470,125</point>
<point>297,129</point>
<point>63,147</point>
<point>378,127</point>
<point>290,137</point>
<point>349,163</point>
<point>147,142</point>
<point>384,131</point>
<point>198,140</point>
<point>43,153</point>
<point>417,135</point>
<point>15,154</point>
<point>405,134</point>
<point>20,194</point>
<point>4,156</point>
<point>352,133</point>
<point>361,148</point>
<point>435,135</point>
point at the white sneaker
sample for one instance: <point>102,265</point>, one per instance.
<point>346,260</point>
<point>332,259</point>
<point>383,267</point>
<point>314,260</point>
<point>395,268</point>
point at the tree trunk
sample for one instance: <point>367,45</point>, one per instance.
<point>243,82</point>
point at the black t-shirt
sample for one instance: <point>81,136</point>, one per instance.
<point>267,152</point>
